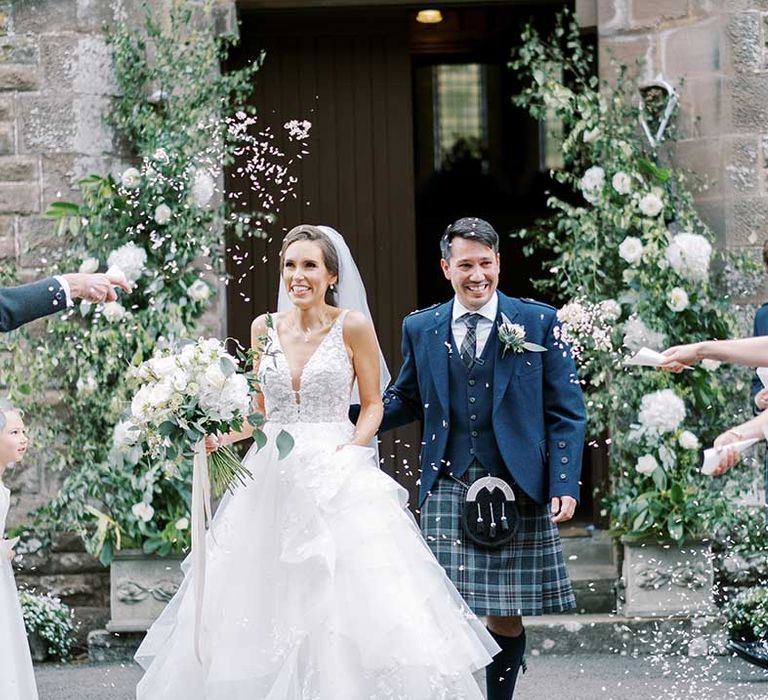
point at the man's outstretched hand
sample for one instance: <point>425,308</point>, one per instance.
<point>97,287</point>
<point>562,508</point>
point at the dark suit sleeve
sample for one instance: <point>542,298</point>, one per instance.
<point>760,327</point>
<point>565,417</point>
<point>20,305</point>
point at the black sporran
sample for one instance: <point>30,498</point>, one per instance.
<point>490,516</point>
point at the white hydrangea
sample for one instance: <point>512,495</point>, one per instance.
<point>130,179</point>
<point>689,255</point>
<point>638,335</point>
<point>622,183</point>
<point>113,311</point>
<point>203,188</point>
<point>647,464</point>
<point>123,436</point>
<point>89,266</point>
<point>631,249</point>
<point>711,365</point>
<point>199,291</point>
<point>610,309</point>
<point>625,148</point>
<point>221,397</point>
<point>650,205</point>
<point>592,183</point>
<point>688,440</point>
<point>677,299</point>
<point>130,259</point>
<point>162,214</point>
<point>143,511</point>
<point>661,412</point>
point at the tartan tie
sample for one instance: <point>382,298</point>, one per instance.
<point>469,344</point>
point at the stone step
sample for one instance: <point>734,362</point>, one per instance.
<point>612,634</point>
<point>110,647</point>
<point>595,588</point>
<point>595,550</point>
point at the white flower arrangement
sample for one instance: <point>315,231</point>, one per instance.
<point>650,205</point>
<point>163,214</point>
<point>584,325</point>
<point>130,259</point>
<point>130,179</point>
<point>647,464</point>
<point>711,365</point>
<point>661,412</point>
<point>610,309</point>
<point>631,250</point>
<point>592,183</point>
<point>51,620</point>
<point>637,335</point>
<point>677,299</point>
<point>689,255</point>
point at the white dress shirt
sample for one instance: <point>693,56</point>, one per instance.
<point>484,324</point>
<point>67,292</point>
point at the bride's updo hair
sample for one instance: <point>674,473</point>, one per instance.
<point>307,232</point>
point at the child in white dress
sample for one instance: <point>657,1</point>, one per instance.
<point>17,679</point>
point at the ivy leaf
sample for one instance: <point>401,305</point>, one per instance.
<point>284,443</point>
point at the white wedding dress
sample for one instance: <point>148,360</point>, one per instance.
<point>319,584</point>
<point>17,679</point>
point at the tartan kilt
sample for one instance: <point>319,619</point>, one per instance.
<point>525,577</point>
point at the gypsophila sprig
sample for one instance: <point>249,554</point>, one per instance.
<point>51,620</point>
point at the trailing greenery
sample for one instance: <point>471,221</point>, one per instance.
<point>628,251</point>
<point>158,222</point>
<point>747,615</point>
<point>51,620</point>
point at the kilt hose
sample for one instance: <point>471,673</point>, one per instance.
<point>525,577</point>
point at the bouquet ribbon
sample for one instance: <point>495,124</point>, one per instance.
<point>201,515</point>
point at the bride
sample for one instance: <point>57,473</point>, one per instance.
<point>319,584</point>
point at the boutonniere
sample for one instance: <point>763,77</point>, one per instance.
<point>512,337</point>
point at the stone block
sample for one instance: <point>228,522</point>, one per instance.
<point>18,168</point>
<point>44,16</point>
<point>702,157</point>
<point>702,101</point>
<point>650,13</point>
<point>7,108</point>
<point>692,49</point>
<point>636,51</point>
<point>107,647</point>
<point>713,214</point>
<point>746,220</point>
<point>58,61</point>
<point>73,589</point>
<point>94,74</point>
<point>612,15</point>
<point>19,77</point>
<point>7,238</point>
<point>586,13</point>
<point>96,15</point>
<point>47,124</point>
<point>58,178</point>
<point>741,165</point>
<point>18,49</point>
<point>745,40</point>
<point>19,197</point>
<point>37,240</point>
<point>746,96</point>
<point>92,136</point>
<point>7,138</point>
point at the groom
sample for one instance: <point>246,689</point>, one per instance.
<point>491,407</point>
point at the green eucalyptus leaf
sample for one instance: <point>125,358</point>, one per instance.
<point>284,443</point>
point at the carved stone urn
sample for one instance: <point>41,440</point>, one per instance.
<point>140,587</point>
<point>663,579</point>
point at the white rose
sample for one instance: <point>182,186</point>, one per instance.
<point>651,205</point>
<point>179,380</point>
<point>143,511</point>
<point>215,377</point>
<point>182,524</point>
<point>159,394</point>
<point>647,464</point>
<point>89,266</point>
<point>591,135</point>
<point>631,249</point>
<point>203,188</point>
<point>140,403</point>
<point>592,183</point>
<point>163,367</point>
<point>113,311</point>
<point>123,436</point>
<point>677,299</point>
<point>199,291</point>
<point>661,412</point>
<point>625,148</point>
<point>711,365</point>
<point>130,179</point>
<point>688,441</point>
<point>162,214</point>
<point>622,183</point>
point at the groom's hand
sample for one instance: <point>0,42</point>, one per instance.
<point>96,288</point>
<point>562,508</point>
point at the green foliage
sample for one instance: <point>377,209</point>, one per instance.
<point>159,220</point>
<point>611,254</point>
<point>747,615</point>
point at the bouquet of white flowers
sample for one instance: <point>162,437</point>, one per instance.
<point>184,394</point>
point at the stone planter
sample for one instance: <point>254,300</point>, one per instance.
<point>38,647</point>
<point>140,587</point>
<point>659,580</point>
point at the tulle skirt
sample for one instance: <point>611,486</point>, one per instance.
<point>17,679</point>
<point>319,586</point>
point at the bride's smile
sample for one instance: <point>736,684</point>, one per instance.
<point>305,275</point>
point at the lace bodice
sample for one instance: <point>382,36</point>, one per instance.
<point>324,386</point>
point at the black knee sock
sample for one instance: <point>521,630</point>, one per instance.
<point>501,673</point>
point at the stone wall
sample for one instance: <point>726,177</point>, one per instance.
<point>714,51</point>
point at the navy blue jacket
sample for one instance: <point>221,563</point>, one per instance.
<point>20,305</point>
<point>760,328</point>
<point>539,419</point>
